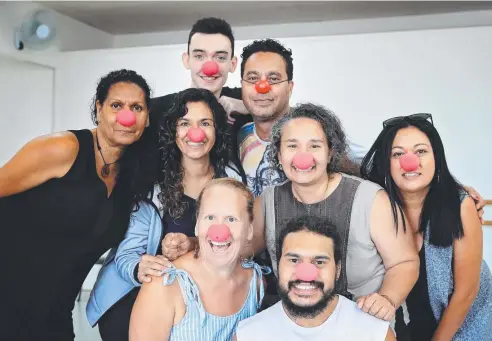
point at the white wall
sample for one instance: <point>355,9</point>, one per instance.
<point>71,34</point>
<point>365,78</point>
<point>26,95</point>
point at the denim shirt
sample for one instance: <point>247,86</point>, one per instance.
<point>116,277</point>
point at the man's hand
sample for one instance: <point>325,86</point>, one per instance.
<point>232,105</point>
<point>151,266</point>
<point>479,201</point>
<point>378,306</point>
<point>175,245</point>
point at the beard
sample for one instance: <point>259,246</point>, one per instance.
<point>306,311</point>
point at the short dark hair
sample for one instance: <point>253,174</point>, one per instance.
<point>268,45</point>
<point>212,25</point>
<point>312,224</point>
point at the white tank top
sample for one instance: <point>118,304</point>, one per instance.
<point>347,322</point>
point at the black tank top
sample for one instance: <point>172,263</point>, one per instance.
<point>51,237</point>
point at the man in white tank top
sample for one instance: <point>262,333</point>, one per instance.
<point>309,266</point>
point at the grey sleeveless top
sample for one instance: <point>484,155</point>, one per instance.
<point>349,209</point>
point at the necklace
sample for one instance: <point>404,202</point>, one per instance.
<point>105,169</point>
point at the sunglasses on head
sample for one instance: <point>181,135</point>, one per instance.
<point>414,117</point>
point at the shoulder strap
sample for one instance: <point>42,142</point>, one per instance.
<point>189,289</point>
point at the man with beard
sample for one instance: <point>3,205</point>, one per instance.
<point>311,308</point>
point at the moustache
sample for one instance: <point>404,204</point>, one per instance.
<point>316,284</point>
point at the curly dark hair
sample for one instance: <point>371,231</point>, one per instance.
<point>171,172</point>
<point>137,165</point>
<point>335,135</point>
<point>268,45</point>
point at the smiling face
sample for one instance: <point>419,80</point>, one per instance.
<point>198,116</point>
<point>122,96</point>
<point>412,140</point>
<point>225,206</point>
<point>306,136</point>
<point>209,47</point>
<point>301,298</point>
<point>274,103</point>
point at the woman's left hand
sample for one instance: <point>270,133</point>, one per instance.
<point>479,201</point>
<point>378,306</point>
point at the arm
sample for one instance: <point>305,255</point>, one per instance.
<point>134,245</point>
<point>40,160</point>
<point>399,257</point>
<point>467,261</point>
<point>390,336</point>
<point>153,313</point>
<point>257,246</point>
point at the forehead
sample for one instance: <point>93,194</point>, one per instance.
<point>410,136</point>
<point>308,244</point>
<point>303,128</point>
<point>125,90</point>
<point>223,200</point>
<point>210,43</point>
<point>198,110</point>
<point>265,62</point>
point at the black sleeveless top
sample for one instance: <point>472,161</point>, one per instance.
<point>422,321</point>
<point>51,237</point>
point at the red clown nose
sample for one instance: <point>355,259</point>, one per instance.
<point>126,118</point>
<point>306,272</point>
<point>219,233</point>
<point>210,68</point>
<point>195,135</point>
<point>303,160</point>
<point>263,87</point>
<point>409,162</point>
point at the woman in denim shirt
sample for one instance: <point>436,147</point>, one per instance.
<point>194,148</point>
<point>452,299</point>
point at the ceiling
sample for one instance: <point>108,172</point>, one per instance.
<point>126,17</point>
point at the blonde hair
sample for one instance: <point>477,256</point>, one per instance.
<point>231,183</point>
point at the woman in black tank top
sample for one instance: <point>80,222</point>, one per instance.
<point>65,199</point>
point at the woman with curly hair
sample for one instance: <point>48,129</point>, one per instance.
<point>65,199</point>
<point>379,262</point>
<point>194,148</point>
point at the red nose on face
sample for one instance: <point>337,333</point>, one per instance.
<point>303,160</point>
<point>409,162</point>
<point>210,68</point>
<point>126,118</point>
<point>219,232</point>
<point>263,87</point>
<point>306,272</point>
<point>196,135</point>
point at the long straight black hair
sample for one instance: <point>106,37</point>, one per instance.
<point>442,206</point>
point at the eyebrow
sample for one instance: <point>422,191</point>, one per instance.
<point>418,144</point>
<point>216,52</point>
<point>312,140</point>
<point>202,119</point>
<point>295,255</point>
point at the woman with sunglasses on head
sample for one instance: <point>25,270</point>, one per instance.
<point>452,299</point>
<point>194,149</point>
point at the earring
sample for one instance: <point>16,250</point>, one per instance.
<point>195,252</point>
<point>438,178</point>
<point>279,166</point>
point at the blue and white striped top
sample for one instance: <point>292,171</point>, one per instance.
<point>199,325</point>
